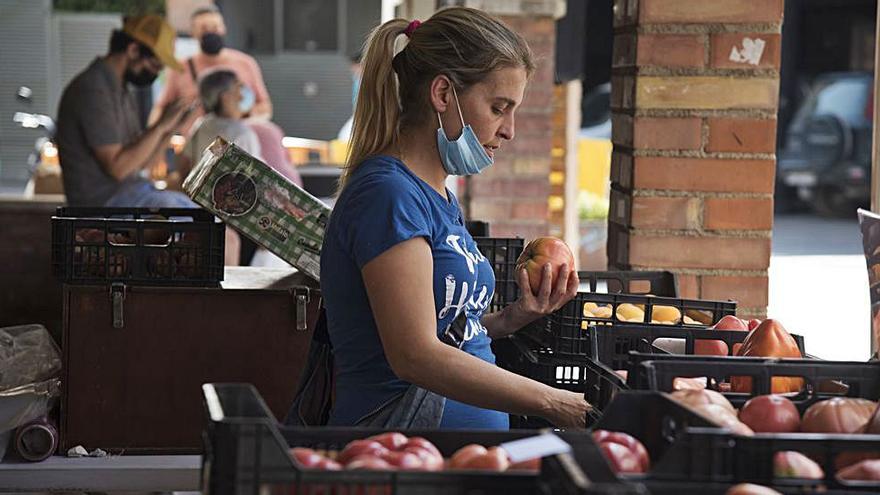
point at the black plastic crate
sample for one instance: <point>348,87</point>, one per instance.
<point>614,346</point>
<point>685,447</point>
<point>246,453</point>
<point>740,459</point>
<point>573,316</point>
<point>143,246</point>
<point>477,228</point>
<point>822,379</point>
<point>562,372</point>
<point>502,254</point>
<point>657,283</point>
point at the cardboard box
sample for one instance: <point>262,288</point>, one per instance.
<point>260,203</point>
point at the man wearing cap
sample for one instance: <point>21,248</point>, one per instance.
<point>103,148</point>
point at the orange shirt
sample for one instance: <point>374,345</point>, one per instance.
<point>182,85</point>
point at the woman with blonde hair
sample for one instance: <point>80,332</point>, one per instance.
<point>404,285</point>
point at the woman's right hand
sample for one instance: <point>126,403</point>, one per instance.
<point>568,409</point>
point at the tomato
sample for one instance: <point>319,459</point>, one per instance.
<point>495,459</point>
<point>328,465</point>
<point>750,489</point>
<point>405,461</point>
<point>866,470</point>
<point>368,462</point>
<point>538,253</point>
<point>841,415</point>
<point>628,441</point>
<point>528,465</point>
<point>753,324</point>
<point>838,415</point>
<point>391,440</point>
<point>704,347</point>
<point>722,417</point>
<point>421,443</point>
<point>463,455</point>
<point>790,464</point>
<point>307,457</point>
<point>770,414</point>
<point>769,339</point>
<point>620,458</point>
<point>872,427</point>
<point>430,461</point>
<point>358,448</point>
<point>693,398</point>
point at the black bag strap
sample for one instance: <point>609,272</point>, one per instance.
<point>192,69</point>
<point>314,394</point>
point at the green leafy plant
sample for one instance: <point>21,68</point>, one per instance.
<point>592,206</point>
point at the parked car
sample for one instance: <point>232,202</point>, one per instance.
<point>825,160</point>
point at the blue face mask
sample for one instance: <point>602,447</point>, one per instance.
<point>247,99</point>
<point>465,155</point>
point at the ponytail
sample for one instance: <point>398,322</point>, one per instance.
<point>377,110</point>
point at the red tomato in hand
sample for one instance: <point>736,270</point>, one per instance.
<point>540,252</point>
<point>770,414</point>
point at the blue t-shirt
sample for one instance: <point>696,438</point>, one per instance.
<point>384,204</point>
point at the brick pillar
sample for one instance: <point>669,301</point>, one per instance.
<point>694,98</point>
<point>512,195</point>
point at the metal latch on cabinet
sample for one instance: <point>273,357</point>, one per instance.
<point>117,295</point>
<point>302,297</point>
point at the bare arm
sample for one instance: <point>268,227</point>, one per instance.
<point>404,314</point>
<point>121,161</point>
<point>530,307</point>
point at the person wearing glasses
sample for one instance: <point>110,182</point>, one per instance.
<point>104,149</point>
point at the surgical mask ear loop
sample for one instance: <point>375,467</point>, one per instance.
<point>458,105</point>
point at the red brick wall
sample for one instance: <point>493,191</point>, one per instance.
<point>512,194</point>
<point>694,118</point>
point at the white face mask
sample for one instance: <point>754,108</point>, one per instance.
<point>465,155</point>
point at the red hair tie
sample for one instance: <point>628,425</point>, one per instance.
<point>411,27</point>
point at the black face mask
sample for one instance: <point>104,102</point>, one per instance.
<point>211,43</point>
<point>142,79</point>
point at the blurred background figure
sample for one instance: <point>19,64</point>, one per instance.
<point>208,27</point>
<point>223,101</point>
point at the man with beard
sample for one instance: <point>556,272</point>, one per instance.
<point>207,26</point>
<point>103,148</point>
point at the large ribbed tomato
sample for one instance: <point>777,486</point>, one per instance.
<point>838,415</point>
<point>769,339</point>
<point>538,253</point>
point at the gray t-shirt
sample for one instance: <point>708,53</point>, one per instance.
<point>95,110</point>
<point>211,126</point>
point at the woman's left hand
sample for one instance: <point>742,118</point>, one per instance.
<point>550,296</point>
